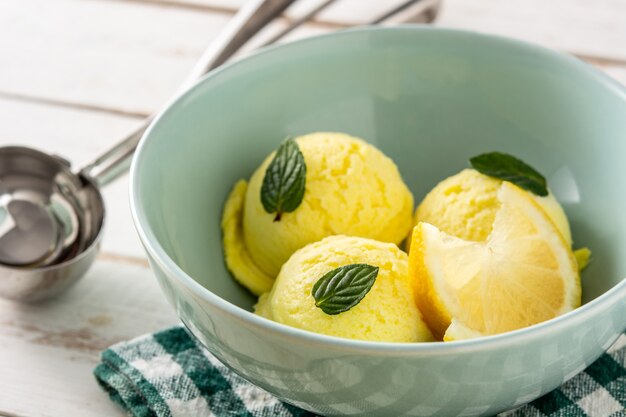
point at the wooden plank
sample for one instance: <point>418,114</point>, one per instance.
<point>48,351</point>
<point>78,136</point>
<point>591,28</point>
<point>111,61</point>
<point>215,6</point>
<point>351,12</point>
<point>340,13</point>
<point>588,28</point>
<point>126,56</point>
<point>108,62</point>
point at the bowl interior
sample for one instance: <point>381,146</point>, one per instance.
<point>428,98</point>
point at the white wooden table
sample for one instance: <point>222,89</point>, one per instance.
<point>77,75</point>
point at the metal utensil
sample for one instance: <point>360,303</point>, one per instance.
<point>51,218</point>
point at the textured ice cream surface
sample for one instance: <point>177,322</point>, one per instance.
<point>352,188</point>
<point>465,205</point>
<point>387,313</point>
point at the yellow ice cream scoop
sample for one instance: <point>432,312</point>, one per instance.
<point>465,205</point>
<point>351,188</point>
<point>386,313</point>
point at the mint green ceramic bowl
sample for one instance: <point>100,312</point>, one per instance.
<point>429,98</point>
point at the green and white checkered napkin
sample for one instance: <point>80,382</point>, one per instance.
<point>168,374</point>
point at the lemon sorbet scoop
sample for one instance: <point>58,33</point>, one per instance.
<point>387,313</point>
<point>465,205</point>
<point>351,188</point>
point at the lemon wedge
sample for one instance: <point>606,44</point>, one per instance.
<point>523,274</point>
<point>583,257</point>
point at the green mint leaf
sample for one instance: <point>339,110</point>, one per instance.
<point>283,185</point>
<point>508,168</point>
<point>343,287</point>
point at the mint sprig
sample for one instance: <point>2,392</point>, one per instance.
<point>283,185</point>
<point>342,288</point>
<point>508,168</point>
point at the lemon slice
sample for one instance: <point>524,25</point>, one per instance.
<point>523,274</point>
<point>583,257</point>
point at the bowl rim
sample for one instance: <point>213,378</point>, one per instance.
<point>159,256</point>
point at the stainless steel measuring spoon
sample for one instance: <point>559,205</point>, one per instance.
<point>51,218</point>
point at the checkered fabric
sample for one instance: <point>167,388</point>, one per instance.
<point>167,374</point>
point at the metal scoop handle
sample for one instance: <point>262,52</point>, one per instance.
<point>248,21</point>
